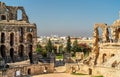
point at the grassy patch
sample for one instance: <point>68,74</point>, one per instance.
<point>59,57</point>
<point>79,74</point>
<point>98,76</point>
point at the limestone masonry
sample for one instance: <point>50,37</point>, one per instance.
<point>18,37</point>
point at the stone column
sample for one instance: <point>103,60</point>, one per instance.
<point>105,35</point>
<point>95,45</point>
<point>113,33</point>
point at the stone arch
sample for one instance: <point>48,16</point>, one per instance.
<point>21,51</point>
<point>2,37</point>
<point>29,29</point>
<point>29,71</point>
<point>3,17</point>
<point>105,38</point>
<point>30,50</point>
<point>11,39</point>
<point>104,57</point>
<point>3,51</point>
<point>19,14</point>
<point>112,55</point>
<point>12,54</point>
<point>23,15</point>
<point>29,38</point>
<point>90,71</point>
<point>21,34</point>
<point>118,34</point>
<point>105,32</point>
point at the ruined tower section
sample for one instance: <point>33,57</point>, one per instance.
<point>97,39</point>
<point>17,36</point>
<point>115,31</point>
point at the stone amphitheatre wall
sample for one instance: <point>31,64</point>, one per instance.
<point>29,70</point>
<point>106,72</point>
<point>106,52</point>
<point>92,70</point>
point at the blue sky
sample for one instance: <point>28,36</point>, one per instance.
<point>68,17</point>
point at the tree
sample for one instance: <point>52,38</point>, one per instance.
<point>84,48</point>
<point>68,47</point>
<point>39,48</point>
<point>75,47</point>
<point>61,49</point>
<point>49,46</point>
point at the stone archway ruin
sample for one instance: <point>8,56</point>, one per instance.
<point>11,39</point>
<point>105,38</point>
<point>16,33</point>
<point>104,58</point>
<point>3,52</point>
<point>2,37</point>
<point>30,53</point>
<point>12,54</point>
<point>3,17</point>
<point>29,38</point>
<point>21,51</point>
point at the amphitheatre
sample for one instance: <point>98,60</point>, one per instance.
<point>18,39</point>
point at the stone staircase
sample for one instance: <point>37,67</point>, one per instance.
<point>113,61</point>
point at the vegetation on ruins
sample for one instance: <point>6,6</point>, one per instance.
<point>79,74</point>
<point>98,76</point>
<point>82,47</point>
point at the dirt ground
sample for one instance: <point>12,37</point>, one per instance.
<point>60,73</point>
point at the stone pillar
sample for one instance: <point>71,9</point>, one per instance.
<point>105,35</point>
<point>113,33</point>
<point>95,45</point>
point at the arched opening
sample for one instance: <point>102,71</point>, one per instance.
<point>100,35</point>
<point>21,34</point>
<point>29,30</point>
<point>12,54</point>
<point>110,35</point>
<point>29,38</point>
<point>30,53</point>
<point>104,58</point>
<point>118,35</point>
<point>2,37</point>
<point>90,71</point>
<point>19,14</point>
<point>3,17</point>
<point>21,51</point>
<point>112,55</point>
<point>55,49</point>
<point>45,69</point>
<point>2,51</point>
<point>11,39</point>
<point>29,71</point>
<point>17,73</point>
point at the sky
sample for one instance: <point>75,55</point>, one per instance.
<point>68,17</point>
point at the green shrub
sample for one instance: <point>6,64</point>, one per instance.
<point>98,76</point>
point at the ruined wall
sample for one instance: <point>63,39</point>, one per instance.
<point>96,39</point>
<point>10,12</point>
<point>18,37</point>
<point>34,69</point>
